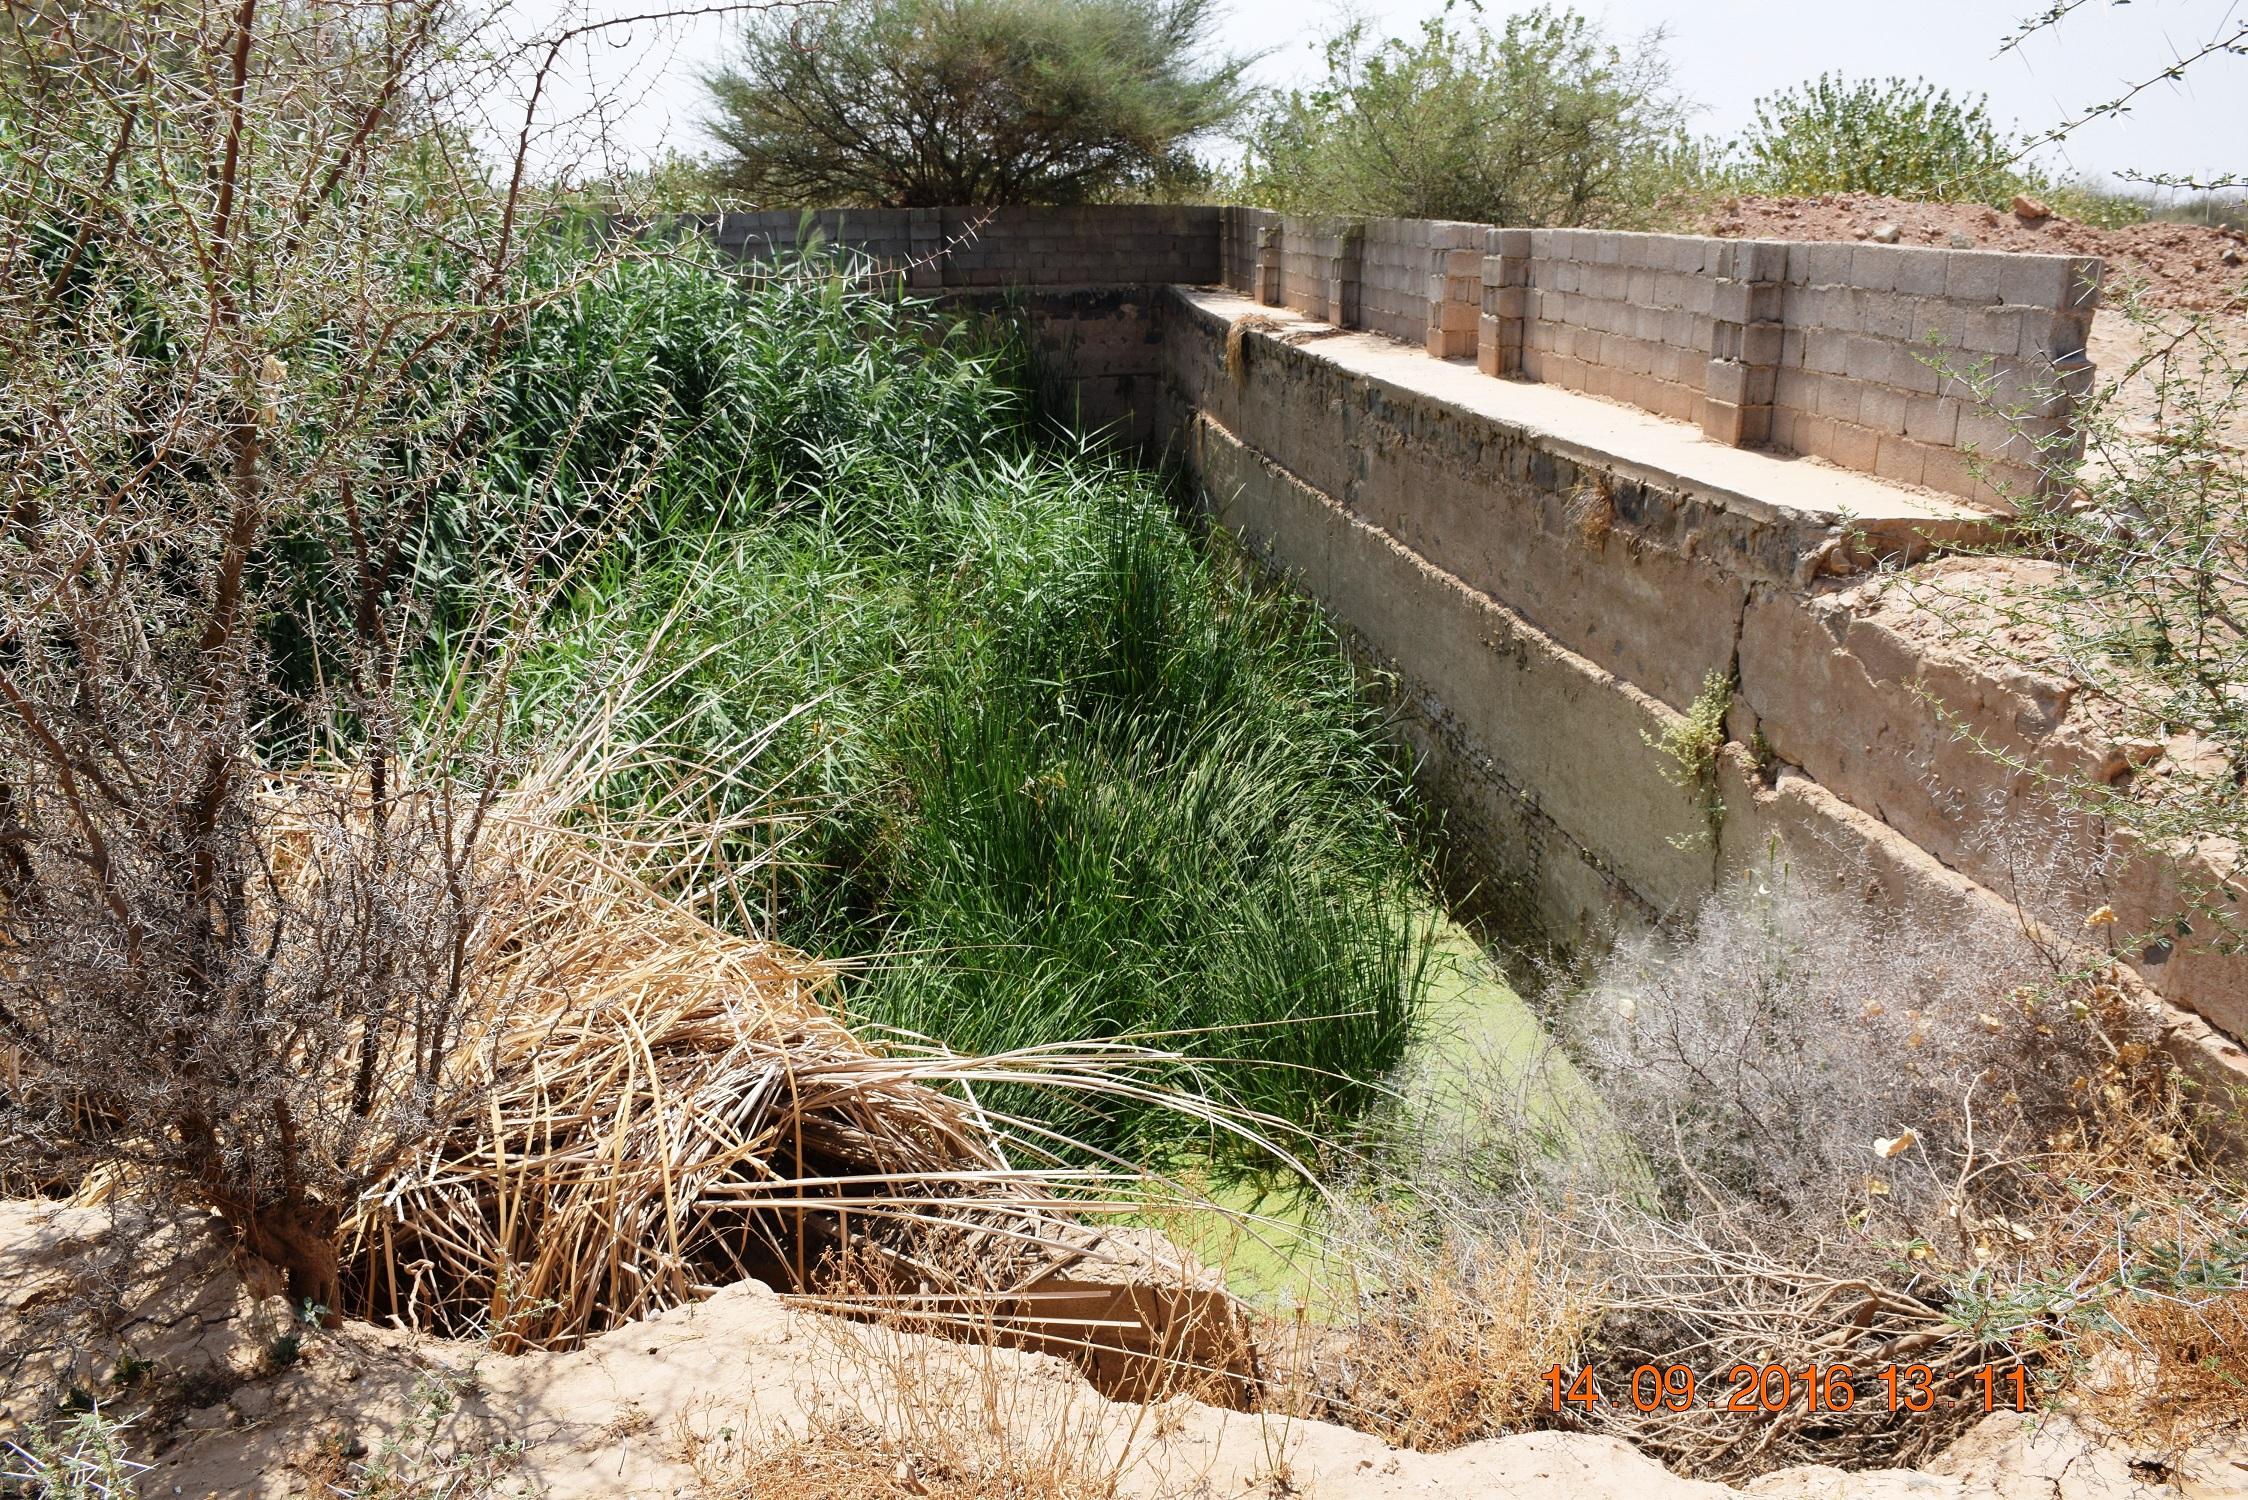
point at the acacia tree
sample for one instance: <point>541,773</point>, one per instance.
<point>923,103</point>
<point>255,266</point>
<point>1540,122</point>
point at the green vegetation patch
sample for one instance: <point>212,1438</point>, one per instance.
<point>1037,759</point>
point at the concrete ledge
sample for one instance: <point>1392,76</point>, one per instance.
<point>1815,503</point>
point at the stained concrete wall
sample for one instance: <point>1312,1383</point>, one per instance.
<point>1543,583</point>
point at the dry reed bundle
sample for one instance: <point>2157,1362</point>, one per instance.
<point>664,1107</point>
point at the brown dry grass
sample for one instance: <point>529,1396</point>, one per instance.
<point>657,1106</point>
<point>2180,1367</point>
<point>1447,1342</point>
<point>664,1107</point>
<point>846,1462</point>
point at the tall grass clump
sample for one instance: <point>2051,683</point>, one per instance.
<point>1044,769</point>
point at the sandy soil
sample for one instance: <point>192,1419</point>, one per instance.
<point>689,1403</point>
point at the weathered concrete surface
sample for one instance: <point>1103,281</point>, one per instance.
<point>1504,717</point>
<point>1548,581</point>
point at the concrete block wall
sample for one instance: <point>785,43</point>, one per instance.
<point>1087,279</point>
<point>1393,279</point>
<point>1884,359</point>
<point>1883,346</point>
<point>1626,316</point>
<point>1319,261</point>
<point>1421,281</point>
<point>939,249</point>
<point>1247,242</point>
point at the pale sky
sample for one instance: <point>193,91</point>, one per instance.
<point>1726,52</point>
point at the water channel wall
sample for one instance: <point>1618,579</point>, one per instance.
<point>1553,484</point>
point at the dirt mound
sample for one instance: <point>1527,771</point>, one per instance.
<point>2183,265</point>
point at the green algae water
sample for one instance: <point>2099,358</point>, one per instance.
<point>1477,1035</point>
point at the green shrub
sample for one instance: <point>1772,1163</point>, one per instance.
<point>935,103</point>
<point>1905,140</point>
<point>1541,122</point>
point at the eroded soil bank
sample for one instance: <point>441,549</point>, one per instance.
<point>699,1401</point>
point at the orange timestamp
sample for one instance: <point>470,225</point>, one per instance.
<point>1748,1388</point>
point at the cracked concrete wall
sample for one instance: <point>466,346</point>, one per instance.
<point>1539,614</point>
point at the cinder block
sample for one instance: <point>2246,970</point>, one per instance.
<point>2035,280</point>
<point>1919,273</point>
<point>1814,433</point>
<point>1993,330</point>
<point>1873,267</point>
<point>1506,301</point>
<point>1762,343</point>
<point>1726,380</point>
<point>1830,265</point>
<point>1826,351</point>
<point>1932,419</point>
<point>1850,445</point>
<point>1900,459</point>
<point>2059,336</point>
<point>1971,276</point>
<point>1911,367</point>
<point>1760,260</point>
<point>2085,275</point>
<point>1845,401</point>
<point>1991,435</point>
<point>1865,357</point>
<point>1736,426</point>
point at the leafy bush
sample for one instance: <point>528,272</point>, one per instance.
<point>1542,122</point>
<point>929,103</point>
<point>1904,140</point>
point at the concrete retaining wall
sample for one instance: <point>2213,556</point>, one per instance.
<point>1541,601</point>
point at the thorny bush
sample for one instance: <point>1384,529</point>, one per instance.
<point>253,267</point>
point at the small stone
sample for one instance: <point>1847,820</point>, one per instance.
<point>210,1418</point>
<point>2029,210</point>
<point>1960,240</point>
<point>2232,257</point>
<point>1886,234</point>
